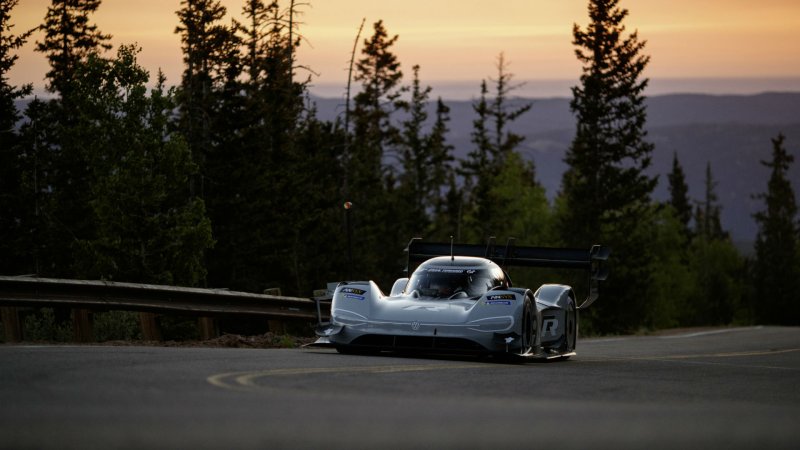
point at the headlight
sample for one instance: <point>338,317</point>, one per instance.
<point>349,318</point>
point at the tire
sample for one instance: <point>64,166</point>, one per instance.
<point>571,328</point>
<point>529,325</point>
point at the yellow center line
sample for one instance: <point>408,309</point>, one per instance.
<point>248,379</point>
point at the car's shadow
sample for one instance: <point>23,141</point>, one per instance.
<point>482,358</point>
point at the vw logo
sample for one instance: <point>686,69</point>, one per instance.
<point>415,326</point>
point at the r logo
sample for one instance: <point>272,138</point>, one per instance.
<point>549,325</point>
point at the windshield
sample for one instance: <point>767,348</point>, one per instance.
<point>450,283</point>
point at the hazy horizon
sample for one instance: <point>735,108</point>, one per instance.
<point>458,90</point>
<point>556,88</point>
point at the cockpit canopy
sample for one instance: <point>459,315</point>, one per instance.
<point>459,278</point>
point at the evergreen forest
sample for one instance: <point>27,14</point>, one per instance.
<point>226,178</point>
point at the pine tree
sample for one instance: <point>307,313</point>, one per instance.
<point>718,271</point>
<point>777,265</point>
<point>673,282</point>
<point>380,76</point>
<point>679,194</point>
<point>715,264</point>
<point>12,204</point>
<point>316,229</point>
<point>370,181</point>
<point>493,144</point>
<point>281,96</point>
<point>293,165</point>
<point>206,44</point>
<point>212,113</point>
<point>253,189</point>
<point>412,151</point>
<point>503,112</point>
<point>425,159</point>
<point>9,44</point>
<point>61,134</point>
<point>447,219</point>
<point>258,15</point>
<point>443,176</point>
<point>606,191</point>
<point>440,150</point>
<point>609,154</point>
<point>708,213</point>
<point>69,39</point>
<point>482,156</point>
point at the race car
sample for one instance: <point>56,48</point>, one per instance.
<point>461,300</point>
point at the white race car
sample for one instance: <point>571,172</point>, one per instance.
<point>460,300</point>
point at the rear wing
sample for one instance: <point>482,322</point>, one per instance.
<point>591,260</point>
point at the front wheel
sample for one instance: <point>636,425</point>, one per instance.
<point>528,328</point>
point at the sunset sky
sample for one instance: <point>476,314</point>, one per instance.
<point>754,44</point>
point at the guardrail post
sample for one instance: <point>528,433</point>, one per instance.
<point>150,328</point>
<point>11,327</point>
<point>207,327</point>
<point>82,325</point>
<point>276,326</point>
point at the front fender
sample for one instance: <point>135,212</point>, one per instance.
<point>502,307</point>
<point>553,295</point>
<point>559,318</point>
<point>352,302</point>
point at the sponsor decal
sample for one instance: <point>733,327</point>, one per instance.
<point>353,291</point>
<point>498,302</point>
<point>446,270</point>
<point>549,325</point>
<point>501,297</point>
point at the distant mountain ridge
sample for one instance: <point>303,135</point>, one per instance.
<point>548,114</point>
<point>732,132</point>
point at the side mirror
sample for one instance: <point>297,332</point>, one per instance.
<point>398,287</point>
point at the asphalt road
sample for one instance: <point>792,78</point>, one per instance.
<point>736,388</point>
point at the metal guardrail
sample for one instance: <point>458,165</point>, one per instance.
<point>148,298</point>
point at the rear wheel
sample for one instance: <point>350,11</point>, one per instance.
<point>570,328</point>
